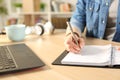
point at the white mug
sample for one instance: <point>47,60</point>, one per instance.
<point>16,32</point>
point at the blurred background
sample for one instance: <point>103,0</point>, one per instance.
<point>31,12</point>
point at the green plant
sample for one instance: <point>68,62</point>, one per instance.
<point>1,1</point>
<point>17,5</point>
<point>42,6</point>
<point>3,9</point>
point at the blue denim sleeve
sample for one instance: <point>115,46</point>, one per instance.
<point>78,18</point>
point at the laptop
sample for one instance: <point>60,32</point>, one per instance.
<point>17,57</point>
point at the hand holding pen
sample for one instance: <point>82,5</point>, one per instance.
<point>73,42</point>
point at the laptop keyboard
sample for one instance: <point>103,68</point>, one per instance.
<point>6,58</point>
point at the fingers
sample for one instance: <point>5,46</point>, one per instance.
<point>118,48</point>
<point>71,46</point>
<point>81,42</point>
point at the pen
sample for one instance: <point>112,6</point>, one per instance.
<point>73,35</point>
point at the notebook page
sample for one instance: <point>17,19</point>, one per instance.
<point>89,55</point>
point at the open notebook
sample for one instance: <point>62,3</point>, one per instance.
<point>93,55</point>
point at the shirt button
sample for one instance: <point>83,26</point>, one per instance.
<point>106,4</point>
<point>90,8</point>
<point>103,22</point>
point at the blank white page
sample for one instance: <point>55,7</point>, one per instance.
<point>89,55</point>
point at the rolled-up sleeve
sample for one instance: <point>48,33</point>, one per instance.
<point>78,18</point>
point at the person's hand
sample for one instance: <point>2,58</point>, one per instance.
<point>71,45</point>
<point>117,47</point>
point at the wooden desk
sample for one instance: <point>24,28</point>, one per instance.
<point>48,48</point>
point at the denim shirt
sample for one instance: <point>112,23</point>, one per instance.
<point>93,14</point>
